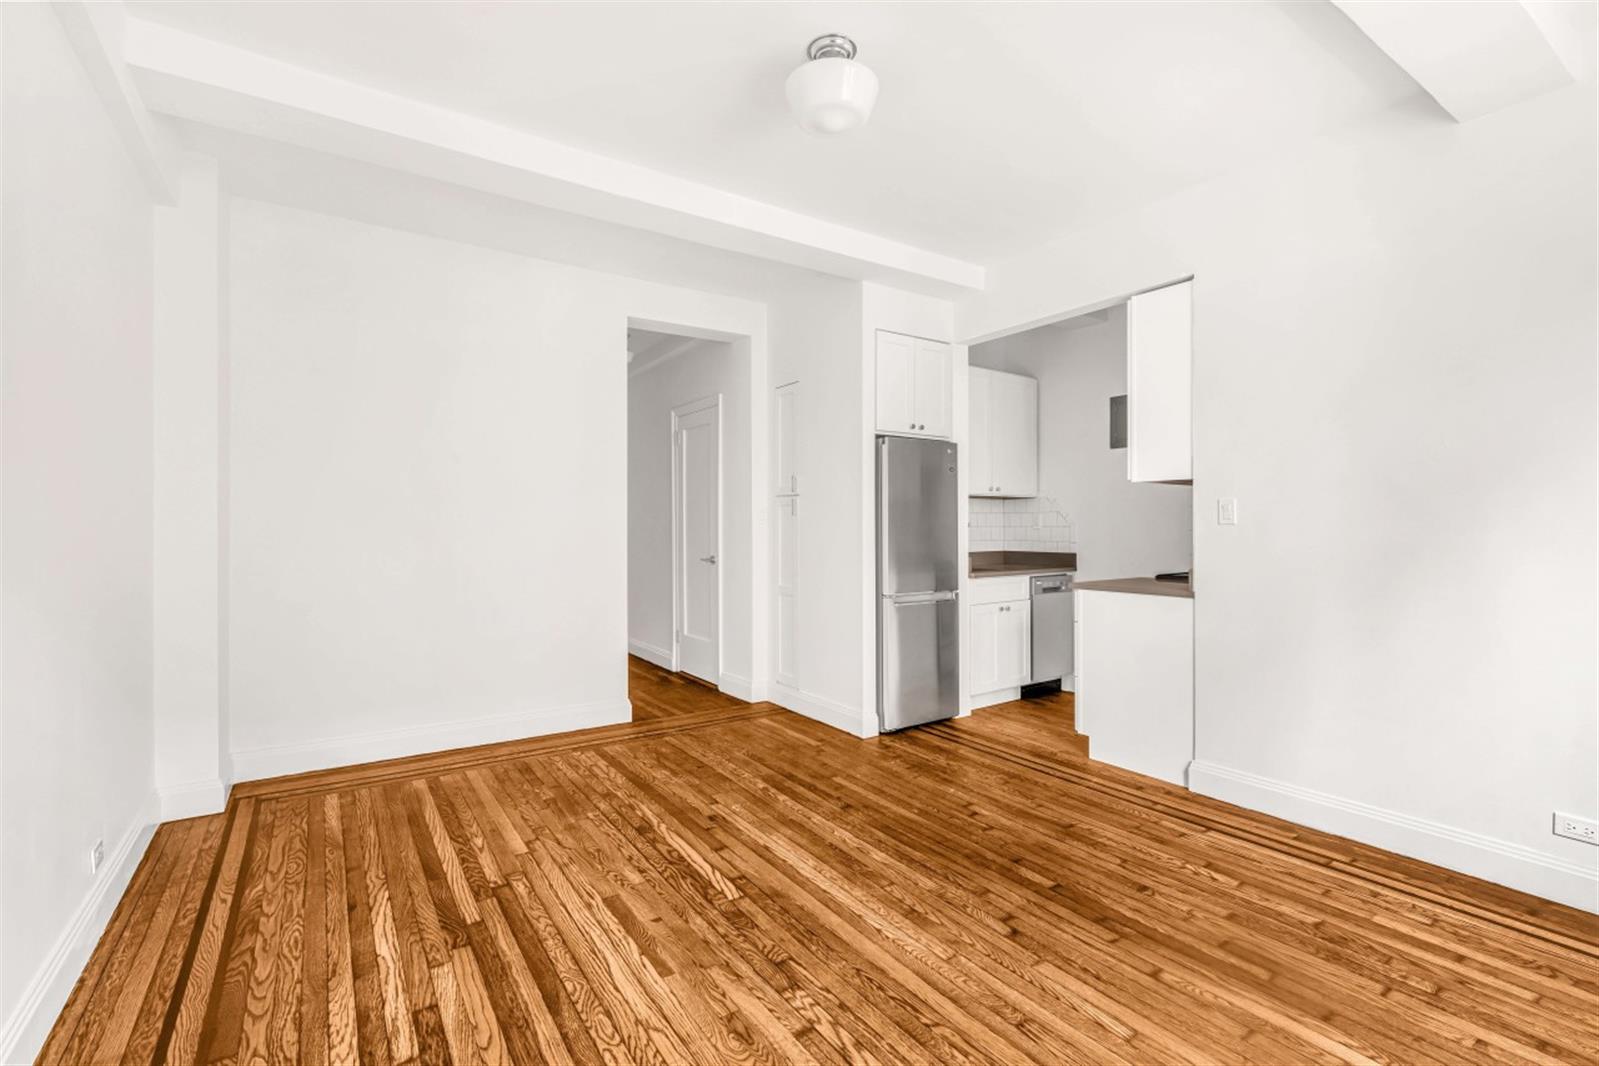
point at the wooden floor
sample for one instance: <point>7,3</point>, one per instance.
<point>738,884</point>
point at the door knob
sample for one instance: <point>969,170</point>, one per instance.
<point>708,559</point>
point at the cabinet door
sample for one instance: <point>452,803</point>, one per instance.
<point>1160,385</point>
<point>932,406</point>
<point>896,375</point>
<point>1013,413</point>
<point>979,433</point>
<point>1015,644</point>
<point>786,480</point>
<point>982,660</point>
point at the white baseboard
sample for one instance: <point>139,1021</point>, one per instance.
<point>192,798</point>
<point>999,695</point>
<point>1513,865</point>
<point>46,993</point>
<point>255,763</point>
<point>661,657</point>
<point>742,688</point>
<point>822,709</point>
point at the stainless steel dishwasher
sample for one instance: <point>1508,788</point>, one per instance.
<point>1052,627</point>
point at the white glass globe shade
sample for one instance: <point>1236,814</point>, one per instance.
<point>832,94</point>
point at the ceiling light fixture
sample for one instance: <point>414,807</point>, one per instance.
<point>830,92</point>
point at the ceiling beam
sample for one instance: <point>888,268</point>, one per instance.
<point>206,81</point>
<point>1472,56</point>
<point>95,32</point>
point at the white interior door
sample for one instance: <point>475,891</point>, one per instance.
<point>697,451</point>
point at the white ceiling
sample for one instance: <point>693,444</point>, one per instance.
<point>998,124</point>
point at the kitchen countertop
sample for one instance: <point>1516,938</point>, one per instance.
<point>1142,586</point>
<point>1012,563</point>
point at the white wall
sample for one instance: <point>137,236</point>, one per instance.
<point>709,368</point>
<point>1394,374</point>
<point>427,518</point>
<point>190,747</point>
<point>816,341</point>
<point>1118,528</point>
<point>75,570</point>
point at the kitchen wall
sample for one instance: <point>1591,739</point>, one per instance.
<point>1394,375</point>
<point>1039,524</point>
<point>1118,528</point>
<point>75,570</point>
<point>709,368</point>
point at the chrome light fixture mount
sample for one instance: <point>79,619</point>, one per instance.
<point>831,92</point>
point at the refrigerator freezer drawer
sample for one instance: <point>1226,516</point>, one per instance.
<point>918,661</point>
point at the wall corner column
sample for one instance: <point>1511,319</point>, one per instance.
<point>191,764</point>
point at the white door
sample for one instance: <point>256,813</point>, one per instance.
<point>696,490</point>
<point>934,389</point>
<point>982,661</point>
<point>1013,406</point>
<point>896,375</point>
<point>1160,355</point>
<point>1015,643</point>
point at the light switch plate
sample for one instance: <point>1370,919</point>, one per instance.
<point>1227,512</point>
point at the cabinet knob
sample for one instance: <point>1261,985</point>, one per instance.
<point>913,425</point>
<point>921,427</point>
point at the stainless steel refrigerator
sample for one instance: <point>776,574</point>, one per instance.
<point>918,575</point>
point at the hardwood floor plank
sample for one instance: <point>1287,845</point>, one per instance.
<point>220,1032</point>
<point>396,1007</point>
<point>155,1014</point>
<point>197,990</point>
<point>343,1042</point>
<point>721,883</point>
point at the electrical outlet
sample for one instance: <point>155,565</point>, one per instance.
<point>1583,829</point>
<point>1227,512</point>
<point>96,856</point>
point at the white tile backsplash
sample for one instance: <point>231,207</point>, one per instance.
<point>1028,525</point>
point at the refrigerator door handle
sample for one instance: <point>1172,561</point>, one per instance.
<point>902,598</point>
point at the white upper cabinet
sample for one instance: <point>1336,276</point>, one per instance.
<point>1160,361</point>
<point>786,470</point>
<point>1002,459</point>
<point>915,386</point>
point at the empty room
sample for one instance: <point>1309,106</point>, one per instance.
<point>678,533</point>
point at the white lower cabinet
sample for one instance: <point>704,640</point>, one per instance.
<point>1135,681</point>
<point>999,640</point>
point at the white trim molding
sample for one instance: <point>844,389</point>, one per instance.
<point>189,76</point>
<point>822,709</point>
<point>742,688</point>
<point>650,653</point>
<point>189,799</point>
<point>1513,865</point>
<point>352,749</point>
<point>24,1033</point>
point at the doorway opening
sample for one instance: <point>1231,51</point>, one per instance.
<point>681,391</point>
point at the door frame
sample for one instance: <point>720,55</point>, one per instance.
<point>714,401</point>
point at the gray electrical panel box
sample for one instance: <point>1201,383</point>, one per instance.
<point>1118,422</point>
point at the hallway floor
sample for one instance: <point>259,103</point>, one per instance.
<point>721,882</point>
